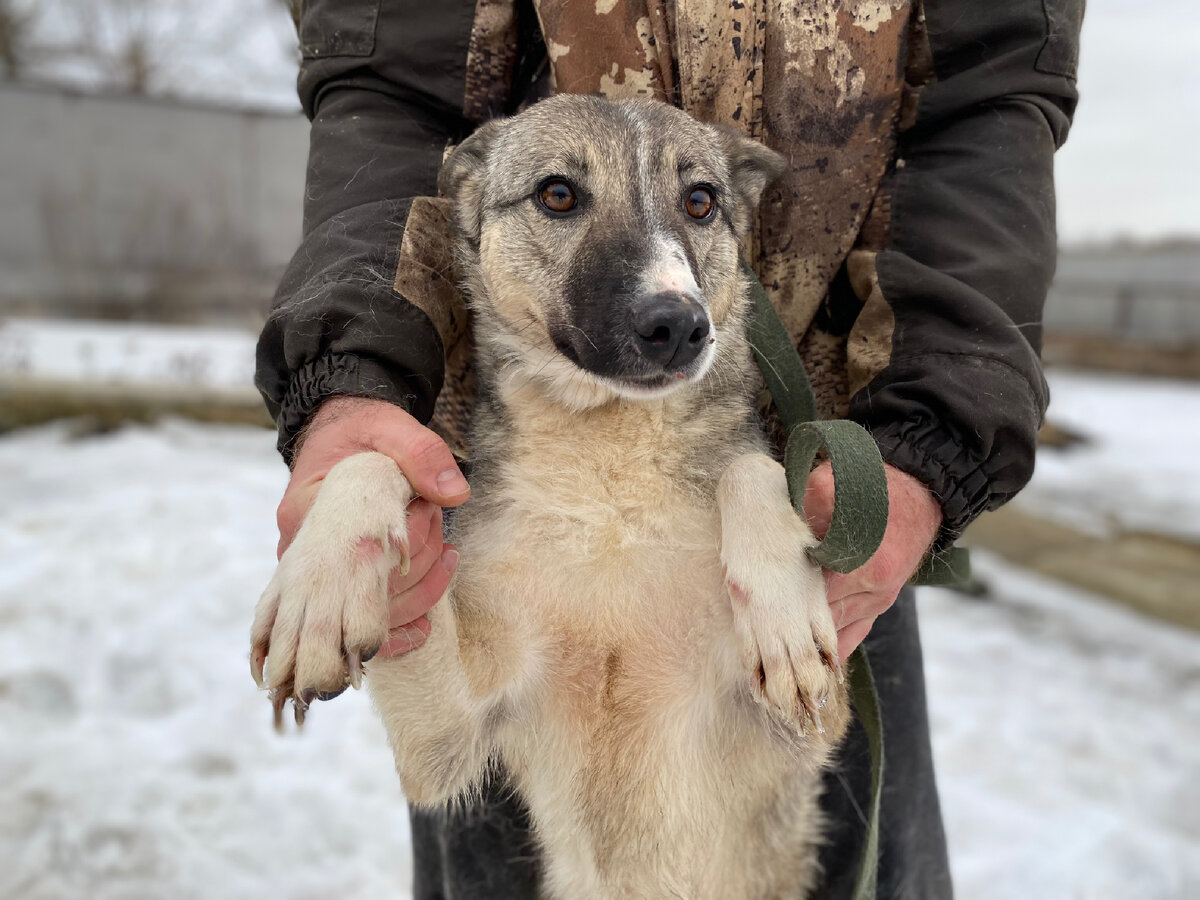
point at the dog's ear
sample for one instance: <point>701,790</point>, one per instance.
<point>752,166</point>
<point>461,177</point>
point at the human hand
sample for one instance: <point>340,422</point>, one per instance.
<point>858,598</point>
<point>344,426</point>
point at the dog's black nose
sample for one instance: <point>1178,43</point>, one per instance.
<point>670,329</point>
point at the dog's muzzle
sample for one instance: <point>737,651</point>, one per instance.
<point>670,330</point>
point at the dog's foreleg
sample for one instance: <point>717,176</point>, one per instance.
<point>325,610</point>
<point>785,634</point>
<point>325,614</point>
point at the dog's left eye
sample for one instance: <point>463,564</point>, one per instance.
<point>700,203</point>
<point>556,195</point>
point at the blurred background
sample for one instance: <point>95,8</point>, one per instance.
<point>151,176</point>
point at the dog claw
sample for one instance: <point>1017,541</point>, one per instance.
<point>354,667</point>
<point>816,717</point>
<point>278,701</point>
<point>258,659</point>
<point>300,709</point>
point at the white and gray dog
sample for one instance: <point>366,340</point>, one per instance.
<point>634,629</point>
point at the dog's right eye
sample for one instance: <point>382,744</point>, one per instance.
<point>555,195</point>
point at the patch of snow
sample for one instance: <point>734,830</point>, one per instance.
<point>120,352</point>
<point>1067,740</point>
<point>1139,471</point>
<point>137,758</point>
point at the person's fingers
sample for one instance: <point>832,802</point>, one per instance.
<point>818,499</point>
<point>856,607</point>
<point>840,585</point>
<point>405,638</point>
<point>424,526</point>
<point>852,635</point>
<point>423,559</point>
<point>419,599</point>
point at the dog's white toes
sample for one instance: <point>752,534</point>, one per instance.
<point>781,688</point>
<point>790,672</point>
<point>814,682</point>
<point>258,661</point>
<point>260,632</point>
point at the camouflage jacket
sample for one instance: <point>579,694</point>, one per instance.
<point>908,247</point>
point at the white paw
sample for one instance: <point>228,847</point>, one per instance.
<point>786,639</point>
<point>325,611</point>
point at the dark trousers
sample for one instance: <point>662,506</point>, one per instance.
<point>485,852</point>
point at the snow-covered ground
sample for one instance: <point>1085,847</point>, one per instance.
<point>1139,470</point>
<point>1067,738</point>
<point>137,758</point>
<point>122,352</point>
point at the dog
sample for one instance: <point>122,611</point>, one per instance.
<point>634,630</point>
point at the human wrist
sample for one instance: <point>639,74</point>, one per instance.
<point>914,508</point>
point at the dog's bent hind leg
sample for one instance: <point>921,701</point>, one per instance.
<point>441,725</point>
<point>785,634</point>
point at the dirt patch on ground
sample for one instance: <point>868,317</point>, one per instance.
<point>1109,354</point>
<point>1155,574</point>
<point>25,402</point>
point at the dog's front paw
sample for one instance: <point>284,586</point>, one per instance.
<point>789,655</point>
<point>786,639</point>
<point>325,611</point>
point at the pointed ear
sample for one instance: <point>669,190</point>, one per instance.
<point>461,178</point>
<point>752,166</point>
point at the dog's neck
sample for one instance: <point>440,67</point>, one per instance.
<point>540,423</point>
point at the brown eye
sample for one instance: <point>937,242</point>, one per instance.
<point>557,196</point>
<point>700,203</point>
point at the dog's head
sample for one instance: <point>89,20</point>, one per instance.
<point>601,241</point>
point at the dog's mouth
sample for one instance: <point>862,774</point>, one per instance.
<point>654,384</point>
<point>626,374</point>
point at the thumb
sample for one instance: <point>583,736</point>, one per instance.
<point>426,462</point>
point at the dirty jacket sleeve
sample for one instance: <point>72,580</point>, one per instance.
<point>383,86</point>
<point>971,252</point>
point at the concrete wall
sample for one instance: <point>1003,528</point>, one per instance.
<point>126,208</point>
<point>113,207</point>
<point>1142,295</point>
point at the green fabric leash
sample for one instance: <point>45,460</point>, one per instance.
<point>860,499</point>
<point>858,522</point>
<point>860,514</point>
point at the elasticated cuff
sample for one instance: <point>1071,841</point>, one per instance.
<point>334,375</point>
<point>934,458</point>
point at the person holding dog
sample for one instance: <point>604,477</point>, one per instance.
<point>908,248</point>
